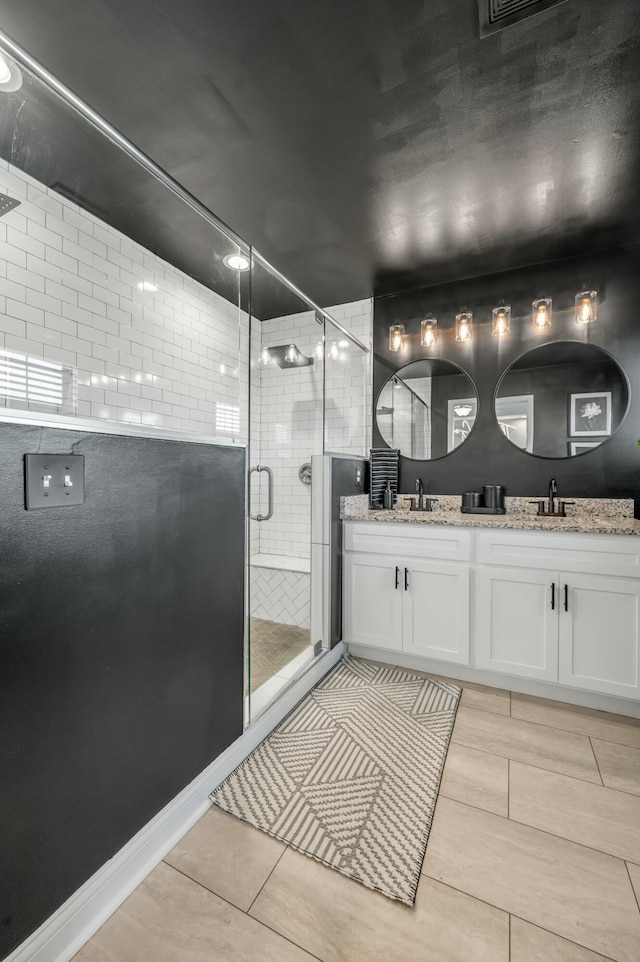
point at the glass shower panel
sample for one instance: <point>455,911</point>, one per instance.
<point>286,430</point>
<point>122,305</point>
<point>347,413</point>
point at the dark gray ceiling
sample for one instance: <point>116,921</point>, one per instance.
<point>370,142</point>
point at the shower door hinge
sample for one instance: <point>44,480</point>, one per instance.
<point>317,648</point>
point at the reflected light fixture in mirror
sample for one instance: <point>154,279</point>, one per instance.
<point>541,313</point>
<point>396,337</point>
<point>501,320</point>
<point>428,336</point>
<point>586,307</point>
<point>464,320</point>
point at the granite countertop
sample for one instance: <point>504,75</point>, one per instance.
<point>592,516</point>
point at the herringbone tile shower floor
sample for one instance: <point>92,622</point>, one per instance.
<point>272,647</point>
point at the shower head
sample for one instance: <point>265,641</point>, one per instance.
<point>286,356</point>
<point>7,203</point>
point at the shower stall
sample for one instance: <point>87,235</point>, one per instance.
<point>308,395</point>
<point>129,304</point>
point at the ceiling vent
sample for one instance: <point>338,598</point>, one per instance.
<point>498,14</point>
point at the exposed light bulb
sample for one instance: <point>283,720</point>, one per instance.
<point>428,336</point>
<point>265,357</point>
<point>319,351</point>
<point>541,314</point>
<point>586,307</point>
<point>501,320</point>
<point>292,354</point>
<point>396,337</point>
<point>334,352</point>
<point>463,326</point>
<point>585,311</point>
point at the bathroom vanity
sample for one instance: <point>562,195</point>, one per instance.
<point>544,606</point>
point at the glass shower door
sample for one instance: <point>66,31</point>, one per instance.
<point>286,430</point>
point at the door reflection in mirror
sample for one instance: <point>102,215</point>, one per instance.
<point>415,409</point>
<point>559,392</point>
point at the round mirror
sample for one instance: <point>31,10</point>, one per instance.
<point>427,408</point>
<point>562,399</point>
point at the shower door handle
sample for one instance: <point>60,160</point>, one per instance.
<point>259,468</point>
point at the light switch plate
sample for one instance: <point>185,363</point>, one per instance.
<point>53,480</point>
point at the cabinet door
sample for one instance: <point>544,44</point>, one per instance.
<point>516,625</point>
<point>372,602</point>
<point>436,610</point>
<point>599,634</point>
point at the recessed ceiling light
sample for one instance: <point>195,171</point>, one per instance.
<point>10,76</point>
<point>146,286</point>
<point>236,262</point>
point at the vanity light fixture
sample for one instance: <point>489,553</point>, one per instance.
<point>464,320</point>
<point>541,313</point>
<point>396,337</point>
<point>501,320</point>
<point>265,357</point>
<point>462,410</point>
<point>428,336</point>
<point>586,307</point>
<point>236,262</point>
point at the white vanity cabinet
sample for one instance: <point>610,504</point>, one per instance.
<point>517,622</point>
<point>566,609</point>
<point>408,593</point>
<point>560,608</point>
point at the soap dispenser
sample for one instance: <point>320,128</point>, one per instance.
<point>387,499</point>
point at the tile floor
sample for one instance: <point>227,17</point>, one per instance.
<point>534,856</point>
<point>273,646</point>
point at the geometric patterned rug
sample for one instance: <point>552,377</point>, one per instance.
<point>351,776</point>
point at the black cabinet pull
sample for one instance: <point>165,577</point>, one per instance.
<point>566,597</point>
<point>397,576</point>
<point>406,579</point>
<point>553,596</point>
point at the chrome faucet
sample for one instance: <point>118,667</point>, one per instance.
<point>553,490</point>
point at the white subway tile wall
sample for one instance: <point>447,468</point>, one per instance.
<point>287,416</point>
<point>150,345</point>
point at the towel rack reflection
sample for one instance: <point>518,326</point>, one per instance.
<point>259,468</point>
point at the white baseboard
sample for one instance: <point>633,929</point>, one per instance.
<point>66,931</point>
<point>525,686</point>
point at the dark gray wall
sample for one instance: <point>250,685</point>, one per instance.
<point>613,469</point>
<point>121,631</point>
